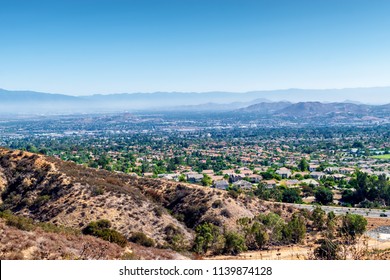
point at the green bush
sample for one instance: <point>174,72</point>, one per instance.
<point>323,195</point>
<point>328,250</point>
<point>217,204</point>
<point>141,239</point>
<point>28,224</point>
<point>101,229</point>
<point>175,238</point>
<point>234,243</point>
<point>19,222</point>
<point>291,196</point>
<point>353,225</point>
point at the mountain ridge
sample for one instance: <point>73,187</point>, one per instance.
<point>19,102</point>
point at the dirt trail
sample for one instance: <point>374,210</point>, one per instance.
<point>285,253</point>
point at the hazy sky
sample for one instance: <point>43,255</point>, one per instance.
<point>106,46</point>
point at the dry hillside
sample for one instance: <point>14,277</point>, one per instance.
<point>63,193</point>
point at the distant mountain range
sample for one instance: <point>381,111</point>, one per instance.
<point>321,111</point>
<point>29,102</point>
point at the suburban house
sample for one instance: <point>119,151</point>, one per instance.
<point>242,184</point>
<point>221,184</point>
<point>172,176</point>
<point>208,172</point>
<point>310,182</point>
<point>331,170</point>
<point>194,177</point>
<point>235,177</point>
<point>317,175</point>
<point>347,170</point>
<point>284,172</point>
<point>367,171</point>
<point>303,174</point>
<point>338,177</point>
<point>313,167</point>
<point>254,178</point>
<point>216,177</point>
<point>246,171</point>
<point>292,183</point>
<point>386,174</point>
<point>269,184</point>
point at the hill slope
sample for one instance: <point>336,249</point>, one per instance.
<point>63,193</point>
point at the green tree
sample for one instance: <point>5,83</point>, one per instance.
<point>142,239</point>
<point>303,165</point>
<point>182,178</point>
<point>331,222</point>
<point>295,230</point>
<point>234,243</point>
<point>291,196</point>
<point>260,234</point>
<point>255,234</point>
<point>353,225</point>
<point>206,234</point>
<point>323,195</point>
<point>206,180</point>
<point>274,225</point>
<point>318,217</point>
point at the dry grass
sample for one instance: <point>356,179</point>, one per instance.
<point>41,245</point>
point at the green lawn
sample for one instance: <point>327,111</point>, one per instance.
<point>382,156</point>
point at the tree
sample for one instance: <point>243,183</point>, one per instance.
<point>353,225</point>
<point>318,216</point>
<point>323,195</point>
<point>206,234</point>
<point>291,196</point>
<point>182,178</point>
<point>303,165</point>
<point>260,234</point>
<point>234,243</point>
<point>295,230</point>
<point>254,233</point>
<point>331,221</point>
<point>267,175</point>
<point>206,180</point>
<point>274,224</point>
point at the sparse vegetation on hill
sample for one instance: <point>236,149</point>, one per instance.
<point>65,194</point>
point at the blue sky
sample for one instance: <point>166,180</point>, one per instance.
<point>109,46</point>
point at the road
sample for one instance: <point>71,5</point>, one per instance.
<point>373,213</point>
